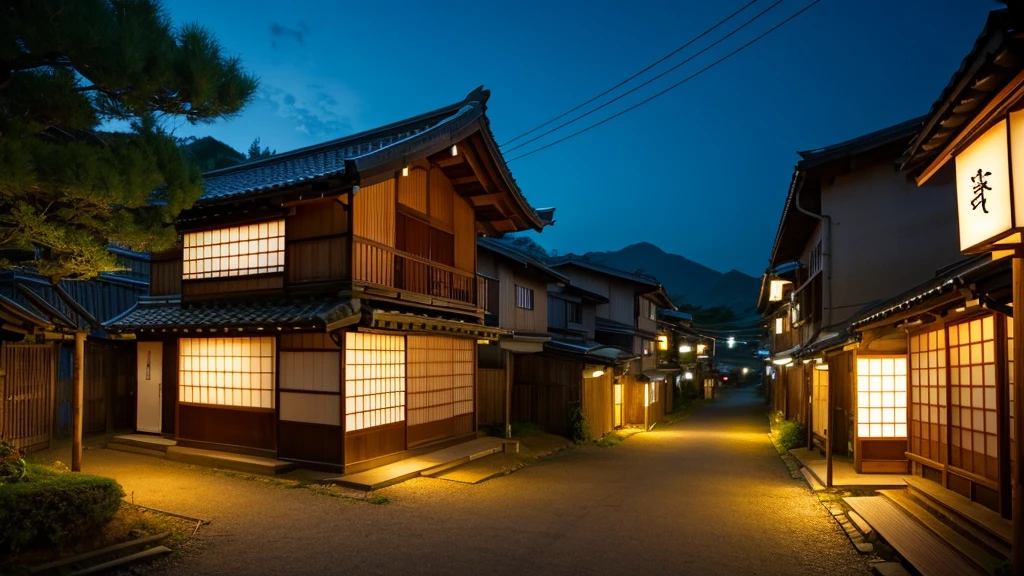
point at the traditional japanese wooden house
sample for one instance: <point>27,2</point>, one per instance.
<point>628,322</point>
<point>324,305</point>
<point>853,232</point>
<point>39,320</point>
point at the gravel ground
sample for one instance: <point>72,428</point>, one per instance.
<point>706,495</point>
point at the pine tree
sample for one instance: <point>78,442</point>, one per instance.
<point>86,88</point>
<point>255,152</point>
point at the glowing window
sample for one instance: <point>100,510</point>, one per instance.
<point>779,325</point>
<point>441,377</point>
<point>882,397</point>
<point>374,380</point>
<point>972,397</point>
<point>235,251</point>
<point>819,399</point>
<point>227,371</point>
<point>663,342</point>
<point>928,395</point>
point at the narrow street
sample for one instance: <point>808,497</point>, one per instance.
<point>707,495</point>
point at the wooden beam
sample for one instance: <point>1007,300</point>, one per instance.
<point>981,121</point>
<point>448,160</point>
<point>484,199</point>
<point>1017,512</point>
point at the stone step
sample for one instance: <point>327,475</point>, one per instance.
<point>979,557</point>
<point>971,519</point>
<point>120,447</point>
<point>109,550</point>
<point>228,460</point>
<point>147,441</point>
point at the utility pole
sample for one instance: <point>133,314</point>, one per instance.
<point>77,399</point>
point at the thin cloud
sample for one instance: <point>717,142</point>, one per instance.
<point>287,34</point>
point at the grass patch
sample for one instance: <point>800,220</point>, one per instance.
<point>525,429</point>
<point>610,439</point>
<point>378,499</point>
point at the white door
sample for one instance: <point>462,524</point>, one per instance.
<point>150,396</point>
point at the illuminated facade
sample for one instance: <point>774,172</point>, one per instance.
<point>335,330</point>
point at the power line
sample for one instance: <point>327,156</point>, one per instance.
<point>676,85</point>
<point>620,84</point>
<point>635,88</point>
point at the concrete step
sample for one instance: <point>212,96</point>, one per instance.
<point>135,449</point>
<point>431,464</point>
<point>228,460</point>
<point>64,564</point>
<point>979,557</point>
<point>146,441</point>
<point>972,520</point>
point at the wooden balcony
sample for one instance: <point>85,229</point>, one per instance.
<point>380,265</point>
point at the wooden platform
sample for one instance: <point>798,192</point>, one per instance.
<point>972,520</point>
<point>426,465</point>
<point>228,460</point>
<point>929,555</point>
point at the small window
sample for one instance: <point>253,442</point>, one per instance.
<point>235,251</point>
<point>574,312</point>
<point>524,297</point>
<point>651,310</point>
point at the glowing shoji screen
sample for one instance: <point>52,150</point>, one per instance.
<point>441,374</point>
<point>1009,383</point>
<point>235,251</point>
<point>972,375</point>
<point>227,371</point>
<point>374,380</point>
<point>882,397</point>
<point>819,401</point>
<point>928,395</point>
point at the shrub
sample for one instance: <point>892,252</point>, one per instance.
<point>787,433</point>
<point>12,466</point>
<point>50,508</point>
<point>579,428</point>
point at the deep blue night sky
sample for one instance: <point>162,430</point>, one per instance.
<point>702,171</point>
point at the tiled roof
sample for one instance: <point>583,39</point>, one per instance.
<point>516,255</point>
<point>327,159</point>
<point>637,277</point>
<point>244,314</point>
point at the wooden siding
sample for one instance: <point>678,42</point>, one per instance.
<point>169,370</point>
<point>643,318</point>
<point>26,394</point>
<point>622,305</point>
<point>374,216</point>
<point>231,427</point>
<point>109,395</point>
<point>412,189</point>
<point>465,235</point>
<point>542,390</point>
<point>309,442</point>
<point>442,197</point>
<point>511,316</point>
<point>165,273</point>
<point>317,248</point>
<point>632,400</point>
<point>490,390</point>
<point>374,442</point>
<point>597,404</point>
<point>309,380</point>
<point>487,264</point>
<point>237,286</point>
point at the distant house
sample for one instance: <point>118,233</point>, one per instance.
<point>39,319</point>
<point>853,232</point>
<point>628,321</point>
<point>323,306</point>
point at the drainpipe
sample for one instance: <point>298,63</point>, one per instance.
<point>826,308</point>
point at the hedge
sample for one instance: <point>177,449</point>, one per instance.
<point>51,508</point>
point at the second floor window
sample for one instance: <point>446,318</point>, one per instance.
<point>651,308</point>
<point>524,297</point>
<point>574,312</point>
<point>235,251</point>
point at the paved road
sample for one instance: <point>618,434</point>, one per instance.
<point>707,495</point>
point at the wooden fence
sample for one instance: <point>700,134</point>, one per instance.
<point>597,404</point>
<point>26,394</point>
<point>542,390</point>
<point>490,388</point>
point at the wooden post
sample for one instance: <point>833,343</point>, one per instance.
<point>509,367</point>
<point>77,397</point>
<point>1017,556</point>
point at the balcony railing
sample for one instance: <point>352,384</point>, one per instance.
<point>376,263</point>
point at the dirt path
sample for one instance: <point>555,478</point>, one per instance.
<point>707,495</point>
